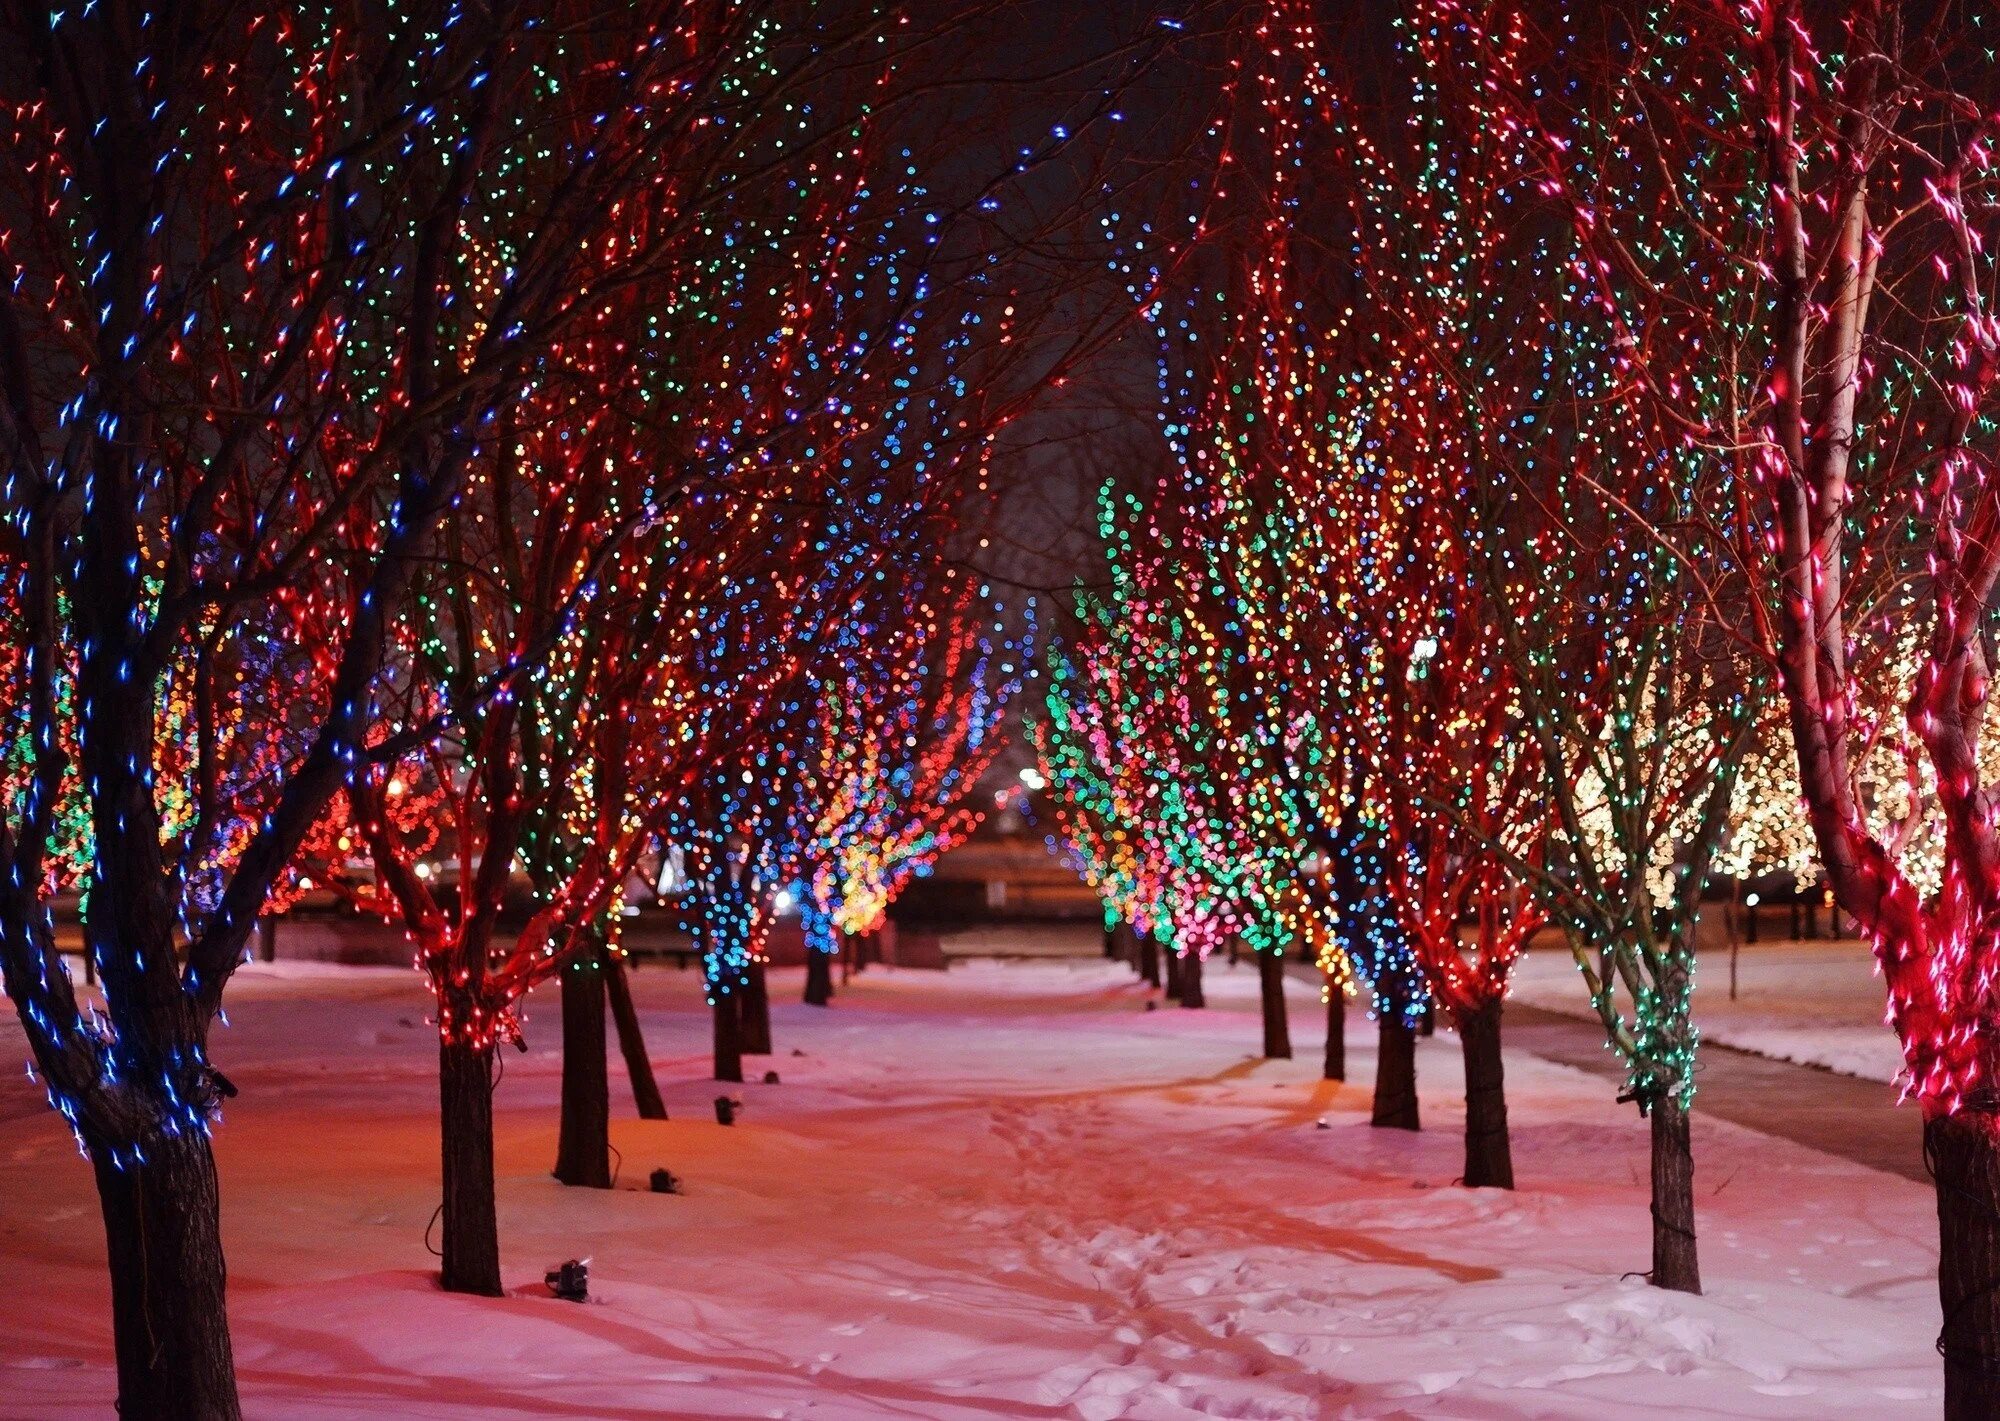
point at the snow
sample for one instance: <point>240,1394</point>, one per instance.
<point>1819,1003</point>
<point>1007,1190</point>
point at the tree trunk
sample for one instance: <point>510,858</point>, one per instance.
<point>583,1137</point>
<point>267,939</point>
<point>1191,981</point>
<point>819,977</point>
<point>1336,1032</point>
<point>1963,1153</point>
<point>1489,1161</point>
<point>1173,964</point>
<point>756,1011</point>
<point>1674,1262</point>
<point>471,1225</point>
<point>1149,960</point>
<point>1111,942</point>
<point>632,1043</point>
<point>1271,982</point>
<point>727,1014</point>
<point>162,1233</point>
<point>1396,1073</point>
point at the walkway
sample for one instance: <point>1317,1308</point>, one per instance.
<point>1840,1115</point>
<point>1854,1119</point>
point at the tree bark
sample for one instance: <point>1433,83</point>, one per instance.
<point>1149,960</point>
<point>1963,1153</point>
<point>1336,1033</point>
<point>1396,1074</point>
<point>471,1224</point>
<point>1111,942</point>
<point>1674,1263</point>
<point>1191,995</point>
<point>583,1137</point>
<point>1172,960</point>
<point>1271,985</point>
<point>632,1043</point>
<point>727,1014</point>
<point>756,1040</point>
<point>819,977</point>
<point>267,939</point>
<point>1489,1159</point>
<point>162,1233</point>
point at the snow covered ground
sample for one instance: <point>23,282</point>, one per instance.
<point>1817,1003</point>
<point>1003,1191</point>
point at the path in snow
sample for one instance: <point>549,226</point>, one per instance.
<point>1858,1120</point>
<point>1843,1115</point>
<point>1817,1002</point>
<point>1009,1190</point>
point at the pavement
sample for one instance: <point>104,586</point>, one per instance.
<point>1844,1116</point>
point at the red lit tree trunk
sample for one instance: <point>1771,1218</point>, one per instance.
<point>163,1239</point>
<point>1271,985</point>
<point>1675,1264</point>
<point>756,1026</point>
<point>632,1043</point>
<point>819,977</point>
<point>1335,1068</point>
<point>471,1235</point>
<point>583,1139</point>
<point>1814,432</point>
<point>727,1016</point>
<point>1191,994</point>
<point>1489,1159</point>
<point>1396,1072</point>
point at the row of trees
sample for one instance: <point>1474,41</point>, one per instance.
<point>539,430</point>
<point>1581,463</point>
<point>527,434</point>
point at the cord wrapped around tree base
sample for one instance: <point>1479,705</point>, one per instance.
<point>1675,1264</point>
